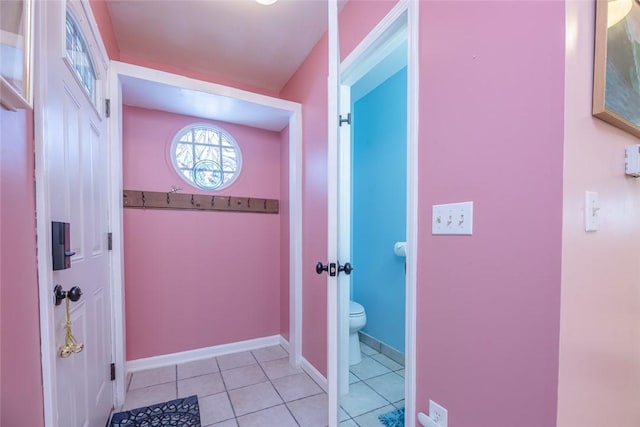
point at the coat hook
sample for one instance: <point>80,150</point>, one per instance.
<point>168,199</point>
<point>143,201</point>
<point>229,202</point>
<point>213,201</point>
<point>192,201</point>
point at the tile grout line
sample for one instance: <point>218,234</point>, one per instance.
<point>270,381</point>
<point>284,403</point>
<point>250,385</point>
<point>226,392</point>
<point>352,418</point>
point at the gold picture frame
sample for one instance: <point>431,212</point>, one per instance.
<point>616,81</point>
<point>16,53</point>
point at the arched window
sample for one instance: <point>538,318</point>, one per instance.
<point>80,58</point>
<point>206,156</point>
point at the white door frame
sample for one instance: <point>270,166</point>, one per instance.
<point>119,70</point>
<point>375,46</point>
<point>48,348</point>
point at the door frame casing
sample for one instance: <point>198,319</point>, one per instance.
<point>98,51</point>
<point>356,64</point>
<point>121,69</point>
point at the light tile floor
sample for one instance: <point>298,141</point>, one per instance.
<point>376,387</point>
<point>260,388</point>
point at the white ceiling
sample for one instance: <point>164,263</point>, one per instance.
<point>235,40</point>
<point>152,95</point>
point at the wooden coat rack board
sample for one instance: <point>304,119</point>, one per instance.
<point>198,202</point>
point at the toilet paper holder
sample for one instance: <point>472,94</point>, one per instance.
<point>400,248</point>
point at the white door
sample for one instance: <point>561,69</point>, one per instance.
<point>335,287</point>
<point>72,187</point>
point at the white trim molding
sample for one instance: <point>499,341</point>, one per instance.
<point>315,375</point>
<point>201,353</point>
<point>413,123</point>
<point>221,350</point>
<point>399,25</point>
<point>120,70</point>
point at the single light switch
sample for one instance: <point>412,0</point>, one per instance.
<point>591,211</point>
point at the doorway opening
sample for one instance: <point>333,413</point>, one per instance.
<point>155,90</point>
<point>376,226</point>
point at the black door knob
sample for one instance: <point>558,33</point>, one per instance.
<point>73,294</point>
<point>346,268</point>
<point>321,267</point>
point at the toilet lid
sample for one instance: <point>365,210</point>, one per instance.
<point>355,308</point>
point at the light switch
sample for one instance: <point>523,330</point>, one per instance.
<point>591,211</point>
<point>452,218</point>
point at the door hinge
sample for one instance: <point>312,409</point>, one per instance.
<point>347,120</point>
<point>113,372</point>
<point>110,241</point>
<point>107,107</point>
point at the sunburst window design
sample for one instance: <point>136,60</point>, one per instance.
<point>206,156</point>
<point>80,58</point>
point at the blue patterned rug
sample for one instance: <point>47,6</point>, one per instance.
<point>180,413</point>
<point>394,418</point>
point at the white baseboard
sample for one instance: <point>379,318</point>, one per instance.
<point>220,350</point>
<point>284,343</point>
<point>320,379</point>
<point>201,353</point>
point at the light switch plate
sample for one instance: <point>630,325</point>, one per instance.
<point>452,218</point>
<point>591,211</point>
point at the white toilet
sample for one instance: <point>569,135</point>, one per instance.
<point>357,320</point>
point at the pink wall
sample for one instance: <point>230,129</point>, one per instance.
<point>309,87</point>
<point>357,19</point>
<point>491,131</point>
<point>497,319</point>
<point>600,323</point>
<point>202,278</point>
<point>20,372</point>
<point>103,19</point>
<point>284,234</point>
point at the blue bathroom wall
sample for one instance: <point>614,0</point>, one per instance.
<point>379,179</point>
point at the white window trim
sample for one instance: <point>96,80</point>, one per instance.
<point>178,170</point>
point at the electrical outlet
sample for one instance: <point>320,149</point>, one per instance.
<point>438,414</point>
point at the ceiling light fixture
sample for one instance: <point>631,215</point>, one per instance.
<point>266,2</point>
<point>617,11</point>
